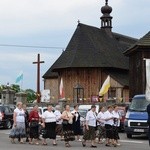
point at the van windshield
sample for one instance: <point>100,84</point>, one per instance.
<point>139,105</point>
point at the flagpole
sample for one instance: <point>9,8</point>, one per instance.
<point>21,85</point>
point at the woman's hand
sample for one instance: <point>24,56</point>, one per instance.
<point>15,125</point>
<point>43,125</point>
<point>87,127</point>
<point>67,118</point>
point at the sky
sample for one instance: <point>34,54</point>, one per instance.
<point>51,23</point>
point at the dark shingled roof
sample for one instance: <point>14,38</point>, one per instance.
<point>94,47</point>
<point>143,42</point>
<point>50,74</point>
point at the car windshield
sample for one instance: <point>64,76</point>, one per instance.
<point>139,105</point>
<point>2,109</point>
<point>83,112</point>
<point>45,109</point>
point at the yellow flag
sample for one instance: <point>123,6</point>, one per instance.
<point>105,86</point>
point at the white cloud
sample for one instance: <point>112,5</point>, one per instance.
<point>26,16</point>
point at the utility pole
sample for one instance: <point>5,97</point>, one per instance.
<point>38,77</point>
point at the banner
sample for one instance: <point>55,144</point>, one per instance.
<point>105,86</point>
<point>61,89</point>
<point>147,92</point>
<point>45,96</point>
<point>19,77</point>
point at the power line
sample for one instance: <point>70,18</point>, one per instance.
<point>31,46</point>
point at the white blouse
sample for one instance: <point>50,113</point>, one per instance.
<point>117,120</point>
<point>20,115</point>
<point>76,114</point>
<point>91,118</point>
<point>49,116</point>
<point>107,116</point>
<point>101,118</point>
<point>58,117</point>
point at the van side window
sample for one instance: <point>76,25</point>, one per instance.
<point>6,110</point>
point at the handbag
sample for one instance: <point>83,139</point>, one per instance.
<point>34,124</point>
<point>43,131</point>
<point>65,122</point>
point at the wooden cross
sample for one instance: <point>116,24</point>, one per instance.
<point>38,77</point>
<point>106,2</point>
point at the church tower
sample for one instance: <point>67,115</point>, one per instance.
<point>106,19</point>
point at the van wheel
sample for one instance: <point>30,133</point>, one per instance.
<point>129,136</point>
<point>8,124</point>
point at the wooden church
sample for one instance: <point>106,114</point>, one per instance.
<point>91,55</point>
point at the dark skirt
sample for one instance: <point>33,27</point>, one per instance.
<point>76,127</point>
<point>59,129</point>
<point>34,132</point>
<point>101,132</point>
<point>50,130</point>
<point>89,134</point>
<point>115,133</point>
<point>109,131</point>
<point>68,132</point>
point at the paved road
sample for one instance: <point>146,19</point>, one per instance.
<point>136,143</point>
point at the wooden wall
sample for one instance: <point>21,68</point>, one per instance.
<point>137,71</point>
<point>52,84</point>
<point>91,79</point>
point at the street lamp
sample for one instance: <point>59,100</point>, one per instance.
<point>78,94</point>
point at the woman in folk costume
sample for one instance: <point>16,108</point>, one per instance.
<point>90,132</point>
<point>117,118</point>
<point>67,125</point>
<point>76,123</point>
<point>26,122</point>
<point>34,125</point>
<point>49,123</point>
<point>101,125</point>
<point>59,130</point>
<point>109,122</point>
<point>18,130</point>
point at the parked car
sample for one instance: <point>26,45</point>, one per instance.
<point>6,116</point>
<point>136,117</point>
<point>122,113</point>
<point>41,110</point>
<point>88,107</point>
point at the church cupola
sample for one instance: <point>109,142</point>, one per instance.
<point>106,19</point>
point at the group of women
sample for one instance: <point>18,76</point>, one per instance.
<point>106,122</point>
<point>65,124</point>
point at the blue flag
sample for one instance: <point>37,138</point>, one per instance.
<point>19,78</point>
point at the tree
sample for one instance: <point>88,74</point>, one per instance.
<point>15,87</point>
<point>31,95</point>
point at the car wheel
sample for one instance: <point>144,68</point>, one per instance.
<point>129,136</point>
<point>8,124</point>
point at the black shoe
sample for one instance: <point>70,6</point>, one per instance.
<point>83,144</point>
<point>93,146</point>
<point>107,145</point>
<point>27,140</point>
